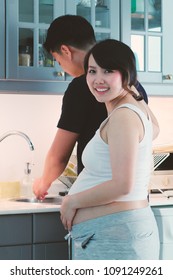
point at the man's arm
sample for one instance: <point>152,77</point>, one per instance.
<point>56,161</point>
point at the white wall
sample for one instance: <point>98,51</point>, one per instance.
<point>163,108</point>
<point>37,116</point>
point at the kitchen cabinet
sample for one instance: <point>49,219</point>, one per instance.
<point>2,39</point>
<point>164,219</point>
<point>26,26</point>
<point>27,23</point>
<point>32,236</point>
<point>16,237</point>
<point>102,14</point>
<point>48,237</point>
<point>141,24</point>
<point>146,27</point>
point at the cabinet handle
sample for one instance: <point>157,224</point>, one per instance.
<point>167,77</point>
<point>59,74</point>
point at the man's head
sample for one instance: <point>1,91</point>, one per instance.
<point>69,37</point>
<point>70,30</point>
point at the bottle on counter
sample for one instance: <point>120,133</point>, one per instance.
<point>27,182</point>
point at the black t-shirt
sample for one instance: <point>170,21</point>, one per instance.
<point>82,113</point>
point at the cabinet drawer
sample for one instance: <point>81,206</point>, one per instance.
<point>22,252</point>
<point>164,219</point>
<point>15,229</point>
<point>47,227</point>
<point>51,251</point>
<point>166,251</point>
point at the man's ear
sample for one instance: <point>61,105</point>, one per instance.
<point>66,50</point>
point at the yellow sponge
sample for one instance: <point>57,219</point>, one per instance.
<point>70,170</point>
<point>9,189</point>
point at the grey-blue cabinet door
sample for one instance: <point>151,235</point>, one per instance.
<point>103,15</point>
<point>146,26</point>
<point>47,227</point>
<point>50,251</point>
<point>26,27</point>
<point>2,39</point>
<point>16,237</point>
<point>48,237</point>
<point>20,252</point>
<point>164,218</point>
<point>15,229</point>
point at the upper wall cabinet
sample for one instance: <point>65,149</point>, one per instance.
<point>2,39</point>
<point>27,24</point>
<point>145,25</point>
<point>102,14</point>
<point>147,28</point>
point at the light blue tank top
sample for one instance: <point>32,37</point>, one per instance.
<point>97,166</point>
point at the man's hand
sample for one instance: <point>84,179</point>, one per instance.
<point>39,189</point>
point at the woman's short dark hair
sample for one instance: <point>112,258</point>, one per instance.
<point>115,55</point>
<point>70,30</point>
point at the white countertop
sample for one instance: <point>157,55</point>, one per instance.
<point>8,206</point>
<point>160,200</point>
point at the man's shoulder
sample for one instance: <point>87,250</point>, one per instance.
<point>78,82</point>
<point>78,88</point>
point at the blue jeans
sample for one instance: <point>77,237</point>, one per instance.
<point>127,235</point>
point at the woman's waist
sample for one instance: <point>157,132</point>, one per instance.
<point>84,214</point>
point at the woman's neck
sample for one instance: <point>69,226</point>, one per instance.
<point>111,105</point>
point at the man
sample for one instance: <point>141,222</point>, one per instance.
<point>68,39</point>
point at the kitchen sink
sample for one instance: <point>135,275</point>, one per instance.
<point>53,200</point>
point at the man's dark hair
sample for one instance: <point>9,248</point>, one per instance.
<point>71,30</point>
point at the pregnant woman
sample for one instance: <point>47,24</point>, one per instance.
<point>106,210</point>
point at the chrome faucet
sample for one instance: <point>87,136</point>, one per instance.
<point>15,132</point>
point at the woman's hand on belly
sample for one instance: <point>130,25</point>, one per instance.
<point>67,212</point>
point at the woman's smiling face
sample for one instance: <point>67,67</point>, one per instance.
<point>104,84</point>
